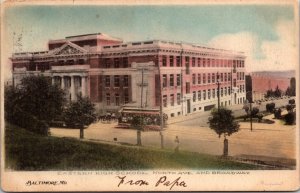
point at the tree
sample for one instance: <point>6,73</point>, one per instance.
<point>277,113</point>
<point>222,122</point>
<point>80,114</point>
<point>34,103</point>
<point>138,123</point>
<point>277,92</point>
<point>270,107</point>
<point>40,98</point>
<point>254,111</point>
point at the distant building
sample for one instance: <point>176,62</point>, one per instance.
<point>264,81</point>
<point>182,77</point>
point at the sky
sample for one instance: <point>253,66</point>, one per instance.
<point>266,33</point>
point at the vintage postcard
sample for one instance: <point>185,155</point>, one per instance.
<point>149,95</point>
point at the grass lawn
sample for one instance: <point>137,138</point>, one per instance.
<point>29,151</point>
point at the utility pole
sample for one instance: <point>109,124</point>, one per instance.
<point>161,110</point>
<point>218,91</point>
<point>142,88</point>
<point>181,80</point>
<point>251,115</point>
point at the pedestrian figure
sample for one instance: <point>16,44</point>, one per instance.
<point>177,144</point>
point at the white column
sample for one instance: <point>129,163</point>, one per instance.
<point>83,86</point>
<point>72,89</point>
<point>62,82</point>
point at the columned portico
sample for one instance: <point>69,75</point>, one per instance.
<point>83,86</point>
<point>73,83</point>
<point>62,82</point>
<point>72,89</point>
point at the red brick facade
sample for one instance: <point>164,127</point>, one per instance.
<point>182,76</point>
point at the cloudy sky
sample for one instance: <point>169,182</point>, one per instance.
<point>265,33</point>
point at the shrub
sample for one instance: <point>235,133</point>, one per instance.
<point>292,101</point>
<point>277,113</point>
<point>290,118</point>
<point>270,107</point>
<point>259,116</point>
<point>254,111</point>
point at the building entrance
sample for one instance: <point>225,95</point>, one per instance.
<point>188,103</point>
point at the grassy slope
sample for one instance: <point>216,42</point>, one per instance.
<point>28,151</point>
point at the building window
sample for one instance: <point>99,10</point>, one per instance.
<point>81,61</point>
<point>199,78</point>
<point>126,97</point>
<point>204,79</point>
<point>221,77</point>
<point>164,80</point>
<point>106,63</point>
<point>172,99</point>
<point>225,77</point>
<point>208,78</point>
<point>107,81</point>
<point>187,70</point>
<point>199,95</point>
<point>204,62</point>
<point>225,91</point>
<point>204,95</point>
<point>165,100</point>
<point>213,78</point>
<point>229,76</point>
<point>194,96</point>
<point>221,92</point>
<point>116,63</point>
<point>126,80</point>
<point>178,98</point>
<point>117,81</point>
<point>178,80</point>
<point>125,62</point>
<point>229,90</point>
<point>107,99</point>
<point>178,61</point>
<point>164,60</point>
<point>117,98</point>
<point>193,62</point>
<point>171,61</point>
<point>213,93</point>
<point>187,60</point>
<point>208,62</point>
<point>194,78</point>
<point>199,62</point>
<point>212,62</point>
<point>70,62</point>
<point>187,87</point>
<point>171,79</point>
<point>234,66</point>
<point>208,94</point>
<point>238,76</point>
<point>61,62</point>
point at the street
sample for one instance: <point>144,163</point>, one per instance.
<point>270,140</point>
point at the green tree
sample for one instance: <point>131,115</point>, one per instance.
<point>80,114</point>
<point>33,104</point>
<point>40,98</point>
<point>138,123</point>
<point>222,122</point>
